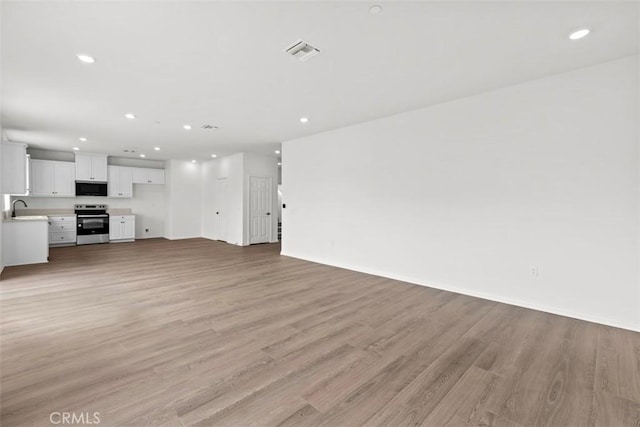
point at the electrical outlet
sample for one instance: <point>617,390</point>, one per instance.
<point>534,271</point>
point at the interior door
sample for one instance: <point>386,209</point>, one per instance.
<point>260,209</point>
<point>221,209</point>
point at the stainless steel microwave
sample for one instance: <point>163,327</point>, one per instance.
<point>91,189</point>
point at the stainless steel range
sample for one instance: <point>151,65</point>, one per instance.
<point>93,224</point>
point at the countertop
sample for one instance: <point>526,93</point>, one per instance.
<point>119,211</point>
<point>67,212</point>
<point>44,212</point>
<point>27,218</point>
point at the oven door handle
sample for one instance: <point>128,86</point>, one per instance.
<point>94,216</point>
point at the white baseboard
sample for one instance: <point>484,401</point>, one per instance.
<point>470,292</point>
<point>182,237</point>
<point>216,240</point>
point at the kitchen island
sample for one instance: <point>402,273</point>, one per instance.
<point>25,240</point>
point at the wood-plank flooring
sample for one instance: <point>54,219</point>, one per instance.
<point>200,333</point>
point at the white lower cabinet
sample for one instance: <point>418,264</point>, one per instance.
<point>62,230</point>
<point>122,228</point>
<point>24,242</point>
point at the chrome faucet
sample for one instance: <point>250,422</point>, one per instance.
<point>13,207</point>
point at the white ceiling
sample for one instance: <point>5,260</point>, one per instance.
<point>222,63</point>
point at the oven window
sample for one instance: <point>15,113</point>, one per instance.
<point>92,224</point>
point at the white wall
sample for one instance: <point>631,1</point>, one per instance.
<point>236,169</point>
<point>3,137</point>
<point>470,195</point>
<point>66,156</point>
<point>183,199</point>
<point>2,207</point>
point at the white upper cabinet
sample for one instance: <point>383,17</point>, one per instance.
<point>64,176</point>
<point>52,179</point>
<point>148,176</point>
<point>156,176</point>
<point>120,181</point>
<point>14,168</point>
<point>91,167</point>
<point>42,176</point>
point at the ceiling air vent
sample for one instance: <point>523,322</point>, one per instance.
<point>209,127</point>
<point>302,50</point>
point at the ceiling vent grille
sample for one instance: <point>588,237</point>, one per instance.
<point>209,127</point>
<point>302,50</point>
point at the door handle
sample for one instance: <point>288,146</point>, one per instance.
<point>268,213</point>
<point>217,213</point>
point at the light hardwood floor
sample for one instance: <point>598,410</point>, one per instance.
<point>195,332</point>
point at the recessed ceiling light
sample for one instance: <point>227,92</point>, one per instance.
<point>304,119</point>
<point>577,35</point>
<point>156,148</point>
<point>143,155</point>
<point>277,151</point>
<point>187,127</point>
<point>76,148</point>
<point>193,161</point>
<point>86,58</point>
<point>375,9</point>
<point>130,116</point>
<point>83,139</point>
<point>214,155</point>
